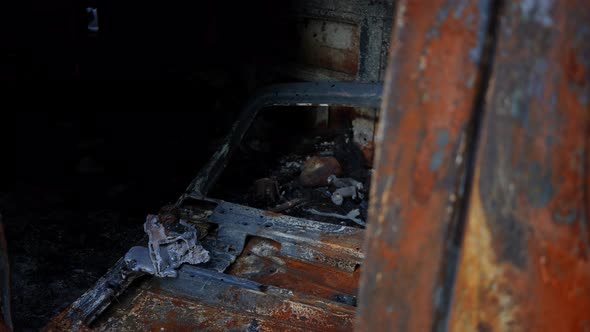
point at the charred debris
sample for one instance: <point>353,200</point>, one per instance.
<point>268,235</point>
<point>288,183</point>
<point>308,170</point>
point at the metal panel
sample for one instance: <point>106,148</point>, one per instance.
<point>431,90</point>
<point>329,45</point>
<point>365,60</point>
<point>289,274</point>
<point>525,261</point>
<point>263,262</point>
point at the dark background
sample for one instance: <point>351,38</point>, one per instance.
<point>97,154</point>
<point>186,40</point>
<point>77,188</point>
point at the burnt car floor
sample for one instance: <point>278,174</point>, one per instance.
<point>298,269</point>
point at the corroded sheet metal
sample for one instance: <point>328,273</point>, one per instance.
<point>284,273</point>
<point>525,262</point>
<point>301,239</point>
<point>337,40</point>
<point>263,262</point>
<point>431,89</point>
<point>204,300</point>
<point>265,301</point>
<point>155,310</point>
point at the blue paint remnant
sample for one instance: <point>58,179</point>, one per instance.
<point>568,218</point>
<point>253,326</point>
<point>541,66</point>
<point>484,7</point>
<point>460,8</point>
<point>517,109</point>
<point>442,138</point>
<point>432,34</point>
<point>539,188</point>
<point>438,297</point>
<point>584,99</point>
<point>537,11</point>
<point>536,83</point>
<point>437,160</point>
<point>469,20</point>
<point>527,7</point>
<point>475,54</point>
<point>549,140</point>
<point>520,108</point>
<point>442,16</point>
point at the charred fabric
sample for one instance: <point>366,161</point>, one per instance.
<point>313,198</point>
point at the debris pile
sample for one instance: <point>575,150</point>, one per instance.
<point>323,179</point>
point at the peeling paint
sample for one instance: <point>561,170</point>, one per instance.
<point>567,218</point>
<point>537,10</point>
<point>437,160</point>
<point>431,62</point>
<point>541,189</point>
<point>460,8</point>
<point>484,7</point>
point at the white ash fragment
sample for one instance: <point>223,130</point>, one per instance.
<point>169,247</point>
<point>347,188</point>
<point>339,194</point>
<point>294,165</point>
<point>344,182</point>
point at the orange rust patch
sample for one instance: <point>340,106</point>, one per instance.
<point>428,103</point>
<point>270,268</point>
<point>368,151</point>
<point>531,181</point>
<point>272,214</point>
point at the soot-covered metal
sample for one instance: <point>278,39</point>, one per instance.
<point>475,212</point>
<point>271,269</point>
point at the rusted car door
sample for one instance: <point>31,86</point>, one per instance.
<point>480,216</point>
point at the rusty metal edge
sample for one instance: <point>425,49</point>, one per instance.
<point>402,286</point>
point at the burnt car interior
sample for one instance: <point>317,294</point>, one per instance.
<point>272,223</point>
<point>310,165</point>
